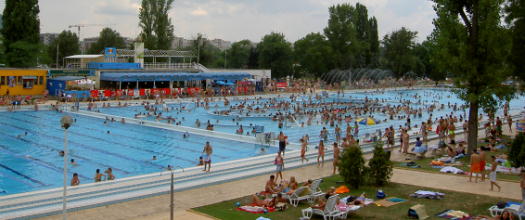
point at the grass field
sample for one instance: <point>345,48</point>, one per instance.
<point>425,163</point>
<point>470,203</point>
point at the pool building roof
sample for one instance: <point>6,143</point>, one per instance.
<point>170,76</point>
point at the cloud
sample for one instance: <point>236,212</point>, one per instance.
<point>199,12</point>
<point>234,19</point>
<point>117,8</point>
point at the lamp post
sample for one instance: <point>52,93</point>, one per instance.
<point>66,122</point>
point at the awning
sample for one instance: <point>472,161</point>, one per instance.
<point>67,78</point>
<point>167,76</point>
<point>28,77</point>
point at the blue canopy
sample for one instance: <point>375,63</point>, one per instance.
<point>167,76</point>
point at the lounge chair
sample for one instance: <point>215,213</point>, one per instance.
<point>296,197</point>
<point>494,211</point>
<point>329,212</point>
<point>516,213</point>
<point>315,188</point>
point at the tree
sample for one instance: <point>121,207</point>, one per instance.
<point>516,18</point>
<point>276,53</point>
<point>399,52</point>
<point>21,32</point>
<point>342,35</point>
<point>107,38</point>
<point>239,54</point>
<point>157,29</point>
<point>313,54</point>
<point>67,43</point>
<point>207,54</point>
<point>426,66</point>
<point>380,166</point>
<point>473,46</point>
<point>517,151</point>
<point>352,167</point>
<point>353,37</point>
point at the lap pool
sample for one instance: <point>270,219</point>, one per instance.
<point>31,142</point>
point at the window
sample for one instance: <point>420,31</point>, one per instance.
<point>28,83</point>
<point>20,80</point>
<point>40,80</point>
<point>3,81</point>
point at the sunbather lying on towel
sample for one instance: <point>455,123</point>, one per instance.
<point>267,202</point>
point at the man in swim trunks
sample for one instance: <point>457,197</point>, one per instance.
<point>271,186</point>
<point>483,162</point>
<point>475,165</point>
<point>208,150</point>
<point>282,142</point>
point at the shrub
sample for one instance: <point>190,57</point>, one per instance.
<point>352,167</point>
<point>517,151</point>
<point>380,166</point>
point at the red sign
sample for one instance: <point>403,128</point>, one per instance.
<point>281,85</point>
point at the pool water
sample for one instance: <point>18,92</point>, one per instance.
<point>229,124</point>
<point>31,161</point>
<point>30,142</point>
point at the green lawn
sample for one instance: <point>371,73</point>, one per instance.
<point>472,204</point>
<point>425,164</point>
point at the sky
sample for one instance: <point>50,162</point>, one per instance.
<point>231,20</point>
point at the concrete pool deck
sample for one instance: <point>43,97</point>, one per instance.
<point>157,208</point>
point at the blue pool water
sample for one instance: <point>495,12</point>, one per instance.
<point>31,162</point>
<point>294,130</point>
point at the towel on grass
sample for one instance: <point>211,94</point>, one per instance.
<point>253,208</point>
<point>387,202</point>
<point>454,215</point>
<point>450,169</point>
<point>427,194</point>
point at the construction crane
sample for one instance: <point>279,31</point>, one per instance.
<point>79,26</point>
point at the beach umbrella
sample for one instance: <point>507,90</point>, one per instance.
<point>367,121</point>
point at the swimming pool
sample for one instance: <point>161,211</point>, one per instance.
<point>419,98</point>
<point>30,161</point>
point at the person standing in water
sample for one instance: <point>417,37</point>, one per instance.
<point>282,142</point>
<point>208,150</point>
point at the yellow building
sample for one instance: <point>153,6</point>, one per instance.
<point>22,81</point>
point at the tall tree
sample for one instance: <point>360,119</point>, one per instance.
<point>516,18</point>
<point>399,52</point>
<point>313,54</point>
<point>473,46</point>
<point>21,32</point>
<point>157,29</point>
<point>353,36</point>
<point>207,54</point>
<point>67,44</point>
<point>342,35</point>
<point>107,38</point>
<point>239,54</point>
<point>276,53</point>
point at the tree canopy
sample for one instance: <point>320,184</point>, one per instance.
<point>353,36</point>
<point>313,54</point>
<point>67,43</point>
<point>107,38</point>
<point>516,18</point>
<point>399,52</point>
<point>473,46</point>
<point>276,53</point>
<point>239,54</point>
<point>21,32</point>
<point>157,28</point>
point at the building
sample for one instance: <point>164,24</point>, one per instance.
<point>87,42</point>
<point>221,44</point>
<point>48,38</point>
<point>181,43</point>
<point>22,81</point>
